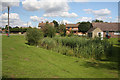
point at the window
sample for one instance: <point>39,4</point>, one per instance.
<point>99,34</point>
<point>68,27</point>
<point>116,33</point>
<point>90,34</point>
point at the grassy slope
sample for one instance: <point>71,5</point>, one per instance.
<point>21,60</point>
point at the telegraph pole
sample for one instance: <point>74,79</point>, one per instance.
<point>8,21</point>
<point>27,24</point>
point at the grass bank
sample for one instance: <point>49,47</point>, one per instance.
<point>20,60</point>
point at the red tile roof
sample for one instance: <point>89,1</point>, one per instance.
<point>43,24</point>
<point>72,25</point>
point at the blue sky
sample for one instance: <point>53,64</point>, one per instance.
<point>63,12</point>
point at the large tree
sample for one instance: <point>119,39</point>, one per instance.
<point>56,25</point>
<point>84,26</point>
<point>48,30</point>
<point>62,30</point>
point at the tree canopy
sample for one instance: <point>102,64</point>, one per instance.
<point>62,30</point>
<point>97,20</point>
<point>84,26</point>
<point>48,30</point>
<point>56,25</point>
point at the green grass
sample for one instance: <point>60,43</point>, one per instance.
<point>20,60</point>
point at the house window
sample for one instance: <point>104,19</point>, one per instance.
<point>90,34</point>
<point>116,33</point>
<point>72,27</point>
<point>99,34</point>
<point>68,27</point>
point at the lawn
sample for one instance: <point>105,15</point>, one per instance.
<point>20,60</point>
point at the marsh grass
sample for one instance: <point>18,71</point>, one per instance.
<point>79,47</point>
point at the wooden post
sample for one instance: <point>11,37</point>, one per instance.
<point>8,22</point>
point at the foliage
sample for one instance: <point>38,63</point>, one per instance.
<point>62,30</point>
<point>48,43</point>
<point>84,26</point>
<point>48,30</point>
<point>86,48</point>
<point>70,34</point>
<point>56,25</point>
<point>33,36</point>
<point>15,29</point>
<point>97,20</point>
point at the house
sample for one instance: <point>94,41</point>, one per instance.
<point>95,32</point>
<point>0,30</point>
<point>40,25</point>
<point>72,27</point>
<point>111,29</point>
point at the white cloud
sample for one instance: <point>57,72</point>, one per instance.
<point>101,12</point>
<point>51,8</point>
<point>61,14</point>
<point>84,19</point>
<point>66,14</point>
<point>14,20</point>
<point>31,5</point>
<point>27,24</point>
<point>64,22</point>
<point>38,19</point>
<point>103,18</point>
<point>5,3</point>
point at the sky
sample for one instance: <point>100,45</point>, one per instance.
<point>30,12</point>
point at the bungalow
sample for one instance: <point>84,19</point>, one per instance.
<point>111,29</point>
<point>40,25</point>
<point>72,27</point>
<point>95,32</point>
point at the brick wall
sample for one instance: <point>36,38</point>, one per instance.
<point>112,35</point>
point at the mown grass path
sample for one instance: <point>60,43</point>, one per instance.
<point>20,60</point>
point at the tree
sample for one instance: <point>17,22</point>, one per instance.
<point>62,30</point>
<point>78,22</point>
<point>56,25</point>
<point>48,30</point>
<point>6,27</point>
<point>84,26</point>
<point>97,20</point>
<point>47,22</point>
<point>33,35</point>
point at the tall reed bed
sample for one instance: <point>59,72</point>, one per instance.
<point>79,47</point>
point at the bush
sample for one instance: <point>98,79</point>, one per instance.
<point>70,34</point>
<point>33,36</point>
<point>48,30</point>
<point>48,43</point>
<point>87,48</point>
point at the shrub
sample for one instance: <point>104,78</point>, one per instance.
<point>79,47</point>
<point>70,34</point>
<point>33,36</point>
<point>48,43</point>
<point>87,48</point>
<point>48,30</point>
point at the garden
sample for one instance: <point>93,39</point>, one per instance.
<point>81,47</point>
